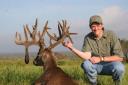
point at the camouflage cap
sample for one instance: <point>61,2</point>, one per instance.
<point>94,19</point>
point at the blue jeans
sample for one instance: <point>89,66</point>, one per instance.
<point>116,69</point>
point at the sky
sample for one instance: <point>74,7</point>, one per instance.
<point>16,13</point>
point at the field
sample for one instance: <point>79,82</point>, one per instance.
<point>13,71</point>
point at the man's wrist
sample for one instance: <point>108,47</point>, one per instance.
<point>101,58</point>
<point>70,48</point>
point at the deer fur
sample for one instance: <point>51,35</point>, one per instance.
<point>53,75</point>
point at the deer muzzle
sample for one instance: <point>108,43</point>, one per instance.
<point>38,61</point>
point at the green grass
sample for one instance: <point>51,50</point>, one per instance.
<point>13,71</point>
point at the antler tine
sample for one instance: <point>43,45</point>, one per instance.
<point>64,26</point>
<point>45,29</point>
<point>55,38</point>
<point>50,41</point>
<point>55,35</point>
<point>52,37</point>
<point>41,35</point>
<point>66,30</point>
<point>18,39</point>
<point>64,23</point>
<point>27,41</point>
<point>41,40</point>
<point>60,26</point>
<point>34,30</point>
<point>35,26</point>
<point>25,33</point>
<point>62,29</point>
<point>27,28</point>
<point>68,34</point>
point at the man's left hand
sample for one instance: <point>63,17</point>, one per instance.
<point>95,59</point>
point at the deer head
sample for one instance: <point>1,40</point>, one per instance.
<point>37,38</point>
<point>48,56</point>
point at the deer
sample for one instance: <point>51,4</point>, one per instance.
<point>52,75</point>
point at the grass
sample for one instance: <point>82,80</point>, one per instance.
<point>13,71</point>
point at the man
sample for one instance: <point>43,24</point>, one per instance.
<point>101,51</point>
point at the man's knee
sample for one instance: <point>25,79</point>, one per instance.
<point>86,65</point>
<point>119,68</point>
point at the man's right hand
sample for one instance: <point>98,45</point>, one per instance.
<point>68,44</point>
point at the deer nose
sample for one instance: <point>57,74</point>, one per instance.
<point>38,62</point>
<point>34,62</point>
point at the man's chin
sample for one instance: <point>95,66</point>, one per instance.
<point>95,34</point>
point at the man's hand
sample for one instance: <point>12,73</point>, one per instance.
<point>95,59</point>
<point>68,44</point>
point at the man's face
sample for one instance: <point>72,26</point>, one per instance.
<point>96,29</point>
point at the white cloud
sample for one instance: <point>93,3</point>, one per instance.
<point>116,18</point>
<point>110,14</point>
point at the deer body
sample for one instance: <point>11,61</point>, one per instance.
<point>52,75</point>
<point>55,77</point>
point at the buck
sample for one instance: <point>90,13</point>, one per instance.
<point>52,75</point>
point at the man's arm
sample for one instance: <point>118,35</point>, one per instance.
<point>83,55</point>
<point>113,58</point>
<point>97,59</point>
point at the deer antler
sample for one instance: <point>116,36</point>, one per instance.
<point>33,41</point>
<point>63,30</point>
<point>37,38</point>
<point>27,42</point>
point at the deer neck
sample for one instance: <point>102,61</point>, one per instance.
<point>50,64</point>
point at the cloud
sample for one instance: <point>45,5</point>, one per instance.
<point>110,14</point>
<point>116,18</point>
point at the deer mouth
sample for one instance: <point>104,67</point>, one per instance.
<point>38,62</point>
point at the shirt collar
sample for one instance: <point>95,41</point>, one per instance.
<point>103,36</point>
